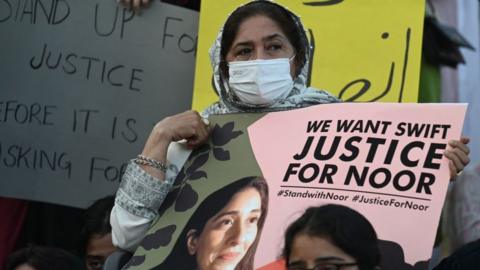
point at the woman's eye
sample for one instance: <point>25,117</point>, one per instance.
<point>244,51</point>
<point>227,222</point>
<point>95,265</point>
<point>254,219</point>
<point>326,267</point>
<point>274,47</point>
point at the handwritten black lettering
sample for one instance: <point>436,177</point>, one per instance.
<point>83,114</point>
<point>51,12</point>
<point>165,26</point>
<point>134,78</point>
<point>21,113</point>
<point>190,42</point>
<point>185,42</point>
<point>89,68</point>
<point>108,31</point>
<point>127,130</point>
<point>26,157</point>
<point>6,10</point>
<point>109,75</point>
<point>100,168</point>
<point>348,93</point>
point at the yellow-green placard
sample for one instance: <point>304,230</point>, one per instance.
<point>364,50</point>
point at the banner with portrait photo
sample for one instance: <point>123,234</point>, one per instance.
<point>236,195</point>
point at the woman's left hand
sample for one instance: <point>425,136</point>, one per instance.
<point>458,156</point>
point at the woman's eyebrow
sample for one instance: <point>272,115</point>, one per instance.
<point>273,36</point>
<point>232,213</point>
<point>317,260</point>
<point>94,257</point>
<point>264,39</point>
<point>243,43</point>
<point>229,213</point>
<point>327,259</point>
<point>256,211</point>
<point>296,263</point>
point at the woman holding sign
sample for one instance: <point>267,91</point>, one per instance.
<point>260,62</point>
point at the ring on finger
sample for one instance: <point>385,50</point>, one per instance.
<point>205,121</point>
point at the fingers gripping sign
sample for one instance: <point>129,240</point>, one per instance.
<point>458,156</point>
<point>188,126</point>
<point>135,5</point>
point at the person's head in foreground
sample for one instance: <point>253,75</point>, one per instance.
<point>96,235</point>
<point>42,258</point>
<point>331,237</point>
<point>260,61</point>
<point>223,232</point>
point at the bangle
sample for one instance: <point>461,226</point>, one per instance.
<point>143,160</point>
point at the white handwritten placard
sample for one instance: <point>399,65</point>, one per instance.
<point>82,84</point>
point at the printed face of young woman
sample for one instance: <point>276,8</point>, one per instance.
<point>311,252</point>
<point>228,235</point>
<point>259,37</point>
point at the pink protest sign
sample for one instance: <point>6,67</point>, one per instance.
<point>383,160</point>
<point>367,170</point>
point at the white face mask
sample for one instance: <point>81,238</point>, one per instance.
<point>260,82</point>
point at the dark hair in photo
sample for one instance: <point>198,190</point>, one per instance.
<point>180,259</point>
<point>286,21</point>
<point>43,258</point>
<point>96,220</point>
<point>343,227</point>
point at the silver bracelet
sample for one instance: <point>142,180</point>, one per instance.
<point>143,160</point>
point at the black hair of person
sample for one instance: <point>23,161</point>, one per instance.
<point>286,20</point>
<point>43,258</point>
<point>180,259</point>
<point>343,227</point>
<point>96,221</point>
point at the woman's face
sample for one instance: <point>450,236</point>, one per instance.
<point>259,37</point>
<point>312,252</point>
<point>99,247</point>
<point>228,235</point>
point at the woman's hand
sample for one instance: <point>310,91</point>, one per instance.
<point>134,5</point>
<point>189,126</point>
<point>458,156</point>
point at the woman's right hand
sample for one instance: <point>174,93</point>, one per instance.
<point>189,126</point>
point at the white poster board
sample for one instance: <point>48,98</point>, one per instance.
<point>81,85</point>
